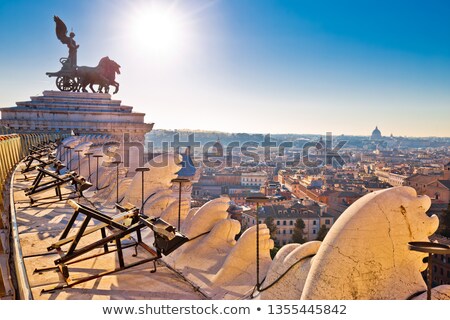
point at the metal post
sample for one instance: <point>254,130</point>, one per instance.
<point>429,276</point>
<point>257,243</point>
<point>180,181</point>
<point>142,170</point>
<point>69,161</point>
<point>64,153</point>
<point>71,157</point>
<point>430,248</point>
<point>79,161</point>
<point>117,179</point>
<point>59,149</point>
<point>88,154</point>
<point>97,156</point>
<point>179,206</point>
<point>257,200</point>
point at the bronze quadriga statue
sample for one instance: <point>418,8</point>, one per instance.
<point>74,78</point>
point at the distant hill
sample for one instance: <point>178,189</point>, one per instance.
<point>160,136</point>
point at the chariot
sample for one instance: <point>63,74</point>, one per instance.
<point>74,78</point>
<point>66,78</point>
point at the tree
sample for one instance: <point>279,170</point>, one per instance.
<point>270,223</point>
<point>273,252</point>
<point>322,233</point>
<point>297,235</point>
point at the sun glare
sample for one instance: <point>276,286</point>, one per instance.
<point>159,32</point>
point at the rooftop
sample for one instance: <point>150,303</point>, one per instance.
<point>445,183</point>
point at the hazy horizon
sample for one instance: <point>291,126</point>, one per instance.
<point>291,133</point>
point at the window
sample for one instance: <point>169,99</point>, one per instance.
<point>327,221</point>
<point>278,222</point>
<point>284,222</point>
<point>291,223</point>
<point>284,231</point>
<point>314,222</point>
<point>290,231</point>
<point>314,231</point>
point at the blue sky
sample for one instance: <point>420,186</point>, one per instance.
<point>250,65</point>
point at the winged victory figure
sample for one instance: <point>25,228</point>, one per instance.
<point>61,34</point>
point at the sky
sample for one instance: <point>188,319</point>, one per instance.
<point>259,66</point>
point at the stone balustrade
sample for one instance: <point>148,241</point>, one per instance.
<point>13,148</point>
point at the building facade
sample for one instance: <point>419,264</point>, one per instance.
<point>285,217</point>
<point>256,179</point>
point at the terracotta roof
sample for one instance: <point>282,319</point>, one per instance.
<point>440,239</point>
<point>445,183</point>
<point>273,211</point>
<point>328,192</point>
<point>422,179</point>
<point>349,194</point>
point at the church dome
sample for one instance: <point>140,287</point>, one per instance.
<point>376,134</point>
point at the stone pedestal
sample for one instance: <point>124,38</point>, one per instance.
<point>82,113</point>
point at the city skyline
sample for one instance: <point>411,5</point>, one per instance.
<point>368,134</point>
<point>280,67</point>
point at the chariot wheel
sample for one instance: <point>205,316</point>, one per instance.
<point>65,83</point>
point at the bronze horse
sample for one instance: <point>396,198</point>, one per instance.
<point>111,69</point>
<point>103,74</point>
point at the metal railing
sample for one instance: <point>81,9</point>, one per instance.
<point>13,148</point>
